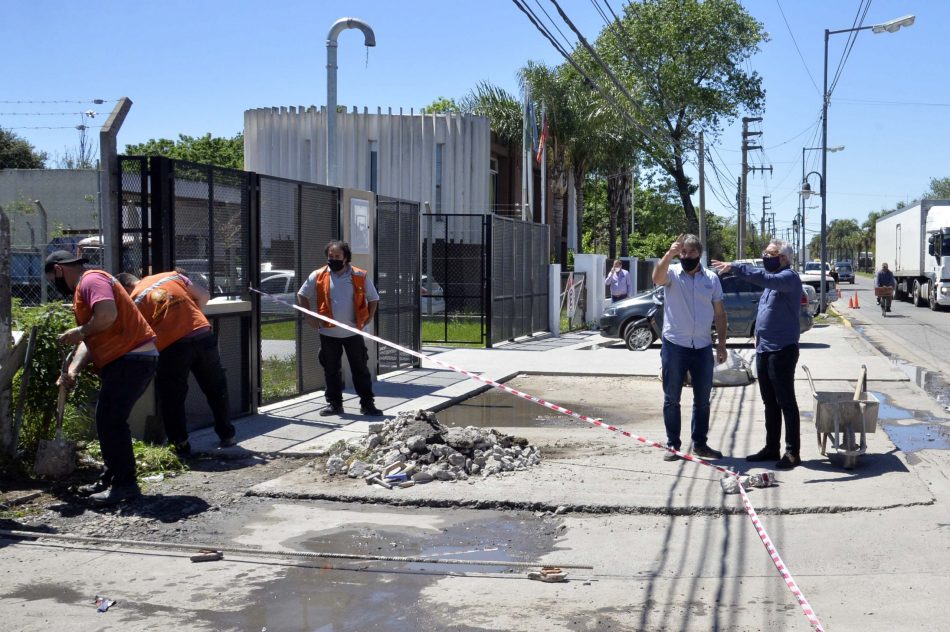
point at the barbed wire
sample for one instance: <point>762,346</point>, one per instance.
<point>79,127</point>
<point>93,101</point>
<point>89,113</point>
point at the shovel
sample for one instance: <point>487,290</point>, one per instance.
<point>57,458</point>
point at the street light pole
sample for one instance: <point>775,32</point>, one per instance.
<point>891,26</point>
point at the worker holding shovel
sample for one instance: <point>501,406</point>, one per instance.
<point>114,337</point>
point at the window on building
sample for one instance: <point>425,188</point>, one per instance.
<point>439,150</point>
<point>492,183</point>
<point>374,166</point>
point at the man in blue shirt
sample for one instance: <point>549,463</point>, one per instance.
<point>692,302</point>
<point>620,282</point>
<point>776,346</point>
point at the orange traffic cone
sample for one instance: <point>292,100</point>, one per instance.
<point>857,305</point>
<point>851,303</point>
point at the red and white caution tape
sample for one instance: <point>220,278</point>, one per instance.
<point>750,510</point>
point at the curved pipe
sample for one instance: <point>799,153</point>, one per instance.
<point>369,39</point>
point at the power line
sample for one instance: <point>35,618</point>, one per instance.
<point>849,45</point>
<point>876,102</point>
<point>800,56</point>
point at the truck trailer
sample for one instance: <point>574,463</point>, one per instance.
<point>915,243</point>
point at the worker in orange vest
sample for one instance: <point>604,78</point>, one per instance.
<point>344,293</point>
<point>172,305</point>
<point>113,337</point>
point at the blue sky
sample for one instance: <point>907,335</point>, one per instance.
<point>194,67</point>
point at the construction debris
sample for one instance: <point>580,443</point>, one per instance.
<point>414,448</point>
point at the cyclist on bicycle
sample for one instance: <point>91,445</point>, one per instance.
<point>884,278</point>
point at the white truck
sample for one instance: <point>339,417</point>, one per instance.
<point>915,243</point>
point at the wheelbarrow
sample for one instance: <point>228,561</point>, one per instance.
<point>845,418</point>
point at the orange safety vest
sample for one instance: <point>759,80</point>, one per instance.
<point>168,308</point>
<point>361,307</point>
<point>128,332</point>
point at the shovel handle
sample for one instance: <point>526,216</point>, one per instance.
<point>61,397</point>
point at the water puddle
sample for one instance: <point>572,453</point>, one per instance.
<point>338,595</point>
<point>924,432</point>
<point>498,409</point>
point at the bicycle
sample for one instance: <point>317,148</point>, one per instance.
<point>885,295</point>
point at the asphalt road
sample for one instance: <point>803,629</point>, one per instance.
<point>916,338</point>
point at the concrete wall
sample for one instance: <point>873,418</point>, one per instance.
<point>70,197</point>
<point>291,143</point>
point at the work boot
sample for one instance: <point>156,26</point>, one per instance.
<point>370,410</point>
<point>706,452</point>
<point>763,455</point>
<point>229,442</point>
<point>788,461</point>
<point>92,488</point>
<point>182,449</point>
<point>115,495</point>
<point>331,409</point>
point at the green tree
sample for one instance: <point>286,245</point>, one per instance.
<point>18,153</point>
<point>442,105</point>
<point>939,189</point>
<point>207,149</point>
<point>500,107</point>
<point>684,62</point>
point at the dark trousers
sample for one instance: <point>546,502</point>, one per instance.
<point>776,371</point>
<point>198,356</point>
<point>331,359</point>
<point>618,297</point>
<point>677,361</point>
<point>122,383</point>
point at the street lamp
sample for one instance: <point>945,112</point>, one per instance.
<point>369,39</point>
<point>802,213</point>
<point>891,26</point>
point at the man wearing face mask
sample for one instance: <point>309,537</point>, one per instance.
<point>776,347</point>
<point>115,338</point>
<point>692,304</point>
<point>346,294</point>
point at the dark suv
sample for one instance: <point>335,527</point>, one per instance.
<point>845,272</point>
<point>741,300</point>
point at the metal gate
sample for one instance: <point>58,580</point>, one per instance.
<point>454,279</point>
<point>397,280</point>
<point>519,278</point>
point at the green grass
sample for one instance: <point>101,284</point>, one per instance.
<point>284,330</point>
<point>149,458</point>
<point>278,379</point>
<point>463,332</point>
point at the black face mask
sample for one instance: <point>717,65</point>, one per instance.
<point>689,264</point>
<point>771,264</point>
<point>336,264</point>
<point>60,284</point>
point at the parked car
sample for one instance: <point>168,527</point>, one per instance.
<point>845,272</point>
<point>430,303</point>
<point>740,297</point>
<point>281,284</point>
<point>813,270</point>
<point>831,288</point>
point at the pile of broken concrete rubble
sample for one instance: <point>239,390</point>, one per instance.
<point>415,448</point>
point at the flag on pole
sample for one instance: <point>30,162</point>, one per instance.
<point>542,140</point>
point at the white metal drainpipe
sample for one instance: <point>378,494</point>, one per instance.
<point>369,40</point>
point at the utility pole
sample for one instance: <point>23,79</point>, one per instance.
<point>744,179</point>
<point>702,195</point>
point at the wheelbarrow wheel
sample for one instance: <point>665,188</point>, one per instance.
<point>851,448</point>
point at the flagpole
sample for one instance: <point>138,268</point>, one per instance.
<point>544,166</point>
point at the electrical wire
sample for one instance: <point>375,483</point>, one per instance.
<point>800,56</point>
<point>849,45</point>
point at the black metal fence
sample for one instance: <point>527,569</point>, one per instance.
<point>519,279</point>
<point>454,283</point>
<point>398,281</point>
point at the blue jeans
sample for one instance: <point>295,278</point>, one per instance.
<point>122,382</point>
<point>677,362</point>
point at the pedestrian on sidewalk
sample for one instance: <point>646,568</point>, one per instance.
<point>620,282</point>
<point>691,305</point>
<point>116,340</point>
<point>777,332</point>
<point>346,294</point>
<point>171,304</point>
<point>884,278</point>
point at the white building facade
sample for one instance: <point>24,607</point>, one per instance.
<point>442,159</point>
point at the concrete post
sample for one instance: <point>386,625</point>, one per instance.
<point>110,188</point>
<point>593,265</point>
<point>633,262</point>
<point>554,298</point>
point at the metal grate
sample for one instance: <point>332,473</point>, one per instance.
<point>397,280</point>
<point>519,285</point>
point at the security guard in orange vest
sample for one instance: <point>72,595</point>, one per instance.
<point>172,305</point>
<point>113,336</point>
<point>346,294</point>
